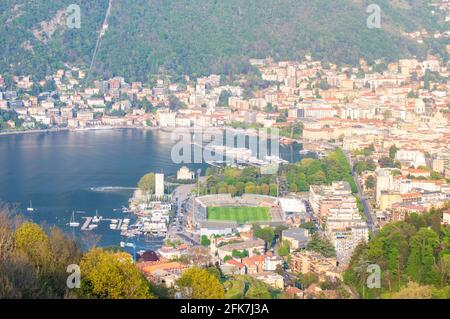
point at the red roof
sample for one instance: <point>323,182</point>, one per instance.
<point>235,263</point>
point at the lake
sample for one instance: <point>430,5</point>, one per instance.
<point>57,171</point>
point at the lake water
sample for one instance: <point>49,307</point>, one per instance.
<point>56,171</point>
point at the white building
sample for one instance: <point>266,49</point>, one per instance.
<point>167,119</point>
<point>411,158</point>
<point>159,185</point>
<point>185,174</point>
<point>385,182</point>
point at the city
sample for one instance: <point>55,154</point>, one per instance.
<point>336,184</point>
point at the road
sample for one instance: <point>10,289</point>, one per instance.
<point>177,228</point>
<point>370,220</point>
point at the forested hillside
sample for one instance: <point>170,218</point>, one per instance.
<point>198,37</point>
<point>413,256</point>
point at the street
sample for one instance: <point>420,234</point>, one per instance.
<point>368,213</point>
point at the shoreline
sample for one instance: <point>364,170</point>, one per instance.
<point>57,130</point>
<point>108,128</point>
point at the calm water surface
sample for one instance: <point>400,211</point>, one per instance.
<point>56,171</point>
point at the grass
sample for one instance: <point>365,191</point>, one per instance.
<point>239,214</point>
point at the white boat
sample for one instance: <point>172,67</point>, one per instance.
<point>97,218</point>
<point>113,226</point>
<point>125,210</point>
<point>73,223</point>
<point>30,208</point>
<point>92,227</point>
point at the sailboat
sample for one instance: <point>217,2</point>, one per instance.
<point>30,208</point>
<point>73,223</point>
<point>97,218</point>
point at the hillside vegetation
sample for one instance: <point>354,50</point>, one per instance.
<point>199,37</point>
<point>413,256</point>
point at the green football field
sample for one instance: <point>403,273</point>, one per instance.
<point>239,214</point>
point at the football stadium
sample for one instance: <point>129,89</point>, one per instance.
<point>222,213</point>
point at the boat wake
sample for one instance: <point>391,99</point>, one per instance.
<point>110,189</point>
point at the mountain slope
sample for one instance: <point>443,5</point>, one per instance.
<point>202,36</point>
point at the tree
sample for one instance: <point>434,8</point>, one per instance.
<point>198,283</point>
<point>147,183</point>
<point>205,241</point>
<point>273,189</point>
<point>175,104</point>
<point>421,260</point>
<point>224,96</point>
<point>284,249</point>
<point>250,188</point>
<point>371,182</point>
<point>112,275</point>
<point>306,280</point>
<point>393,152</point>
<point>267,234</point>
<point>321,246</point>
<point>33,242</point>
<point>238,254</point>
<point>310,226</point>
<point>412,291</point>
<point>232,190</point>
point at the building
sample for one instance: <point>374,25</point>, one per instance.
<point>167,119</point>
<point>446,217</point>
<point>185,174</point>
<point>441,162</point>
<point>311,262</point>
<point>298,238</point>
<point>272,262</point>
<point>385,182</point>
<point>233,267</point>
<point>159,185</point>
<point>272,279</point>
<point>409,158</point>
<point>252,246</point>
<point>337,196</point>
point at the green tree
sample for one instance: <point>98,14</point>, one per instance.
<point>197,283</point>
<point>147,183</point>
<point>421,260</point>
<point>310,226</point>
<point>393,152</point>
<point>321,246</point>
<point>112,275</point>
<point>205,241</point>
<point>371,182</point>
<point>267,234</point>
<point>33,242</point>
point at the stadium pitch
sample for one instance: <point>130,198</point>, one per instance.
<point>239,214</point>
